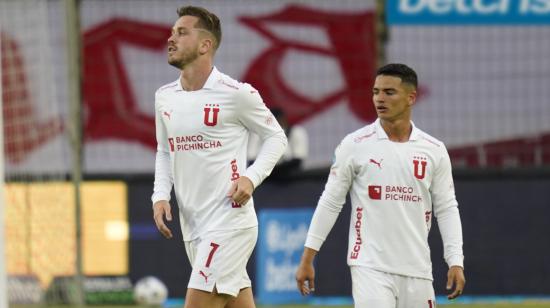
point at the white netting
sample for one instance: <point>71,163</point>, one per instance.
<point>39,202</point>
<point>39,211</point>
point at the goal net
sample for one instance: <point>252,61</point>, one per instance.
<point>38,203</point>
<point>38,210</point>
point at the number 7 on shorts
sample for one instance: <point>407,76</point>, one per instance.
<point>211,255</point>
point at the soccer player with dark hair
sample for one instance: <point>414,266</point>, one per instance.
<point>203,121</point>
<point>397,176</point>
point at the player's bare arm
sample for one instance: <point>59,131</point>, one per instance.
<point>305,274</point>
<point>241,190</point>
<point>455,277</point>
<point>161,210</point>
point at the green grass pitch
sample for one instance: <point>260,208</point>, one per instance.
<point>515,305</point>
<point>499,305</point>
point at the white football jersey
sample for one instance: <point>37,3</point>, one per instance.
<point>392,188</point>
<point>202,140</point>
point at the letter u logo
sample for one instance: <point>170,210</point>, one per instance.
<point>419,174</point>
<point>211,120</point>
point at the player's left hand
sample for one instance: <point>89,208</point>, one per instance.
<point>455,276</point>
<point>241,190</point>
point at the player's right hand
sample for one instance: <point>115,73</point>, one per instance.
<point>455,277</point>
<point>161,209</point>
<point>305,278</point>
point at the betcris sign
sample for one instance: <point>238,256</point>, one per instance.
<point>282,235</point>
<point>468,12</point>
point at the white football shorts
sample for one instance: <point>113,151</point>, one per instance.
<point>372,288</point>
<point>219,260</point>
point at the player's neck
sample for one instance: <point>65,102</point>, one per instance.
<point>397,130</point>
<point>194,76</point>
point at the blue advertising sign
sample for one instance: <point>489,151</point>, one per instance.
<point>468,12</point>
<point>281,239</point>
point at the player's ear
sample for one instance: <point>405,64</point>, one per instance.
<point>412,97</point>
<point>206,45</point>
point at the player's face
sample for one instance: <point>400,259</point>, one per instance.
<point>392,99</point>
<point>184,42</point>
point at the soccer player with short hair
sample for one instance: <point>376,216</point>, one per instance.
<point>397,176</point>
<point>203,121</point>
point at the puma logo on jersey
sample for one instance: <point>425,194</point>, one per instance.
<point>379,164</point>
<point>167,114</point>
<point>205,276</point>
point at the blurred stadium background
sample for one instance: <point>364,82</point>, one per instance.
<point>78,158</point>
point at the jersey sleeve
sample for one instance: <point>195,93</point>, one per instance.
<point>341,176</point>
<point>446,211</point>
<point>163,175</point>
<point>254,144</point>
<point>257,118</point>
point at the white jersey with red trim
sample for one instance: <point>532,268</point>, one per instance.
<point>202,141</point>
<point>392,188</point>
